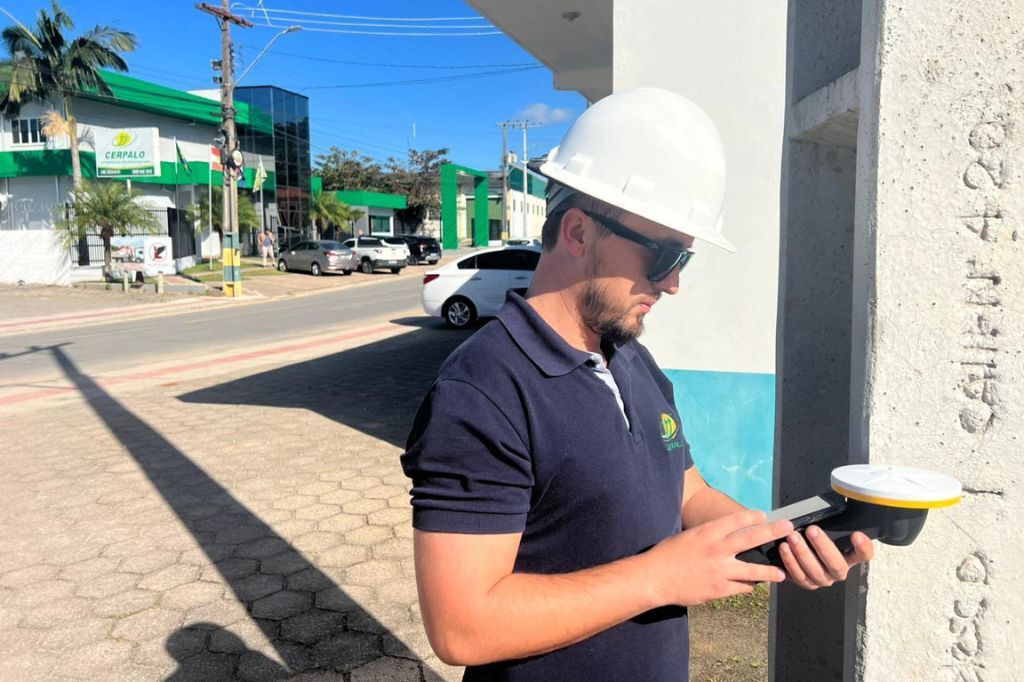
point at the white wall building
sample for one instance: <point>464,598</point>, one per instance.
<point>36,174</point>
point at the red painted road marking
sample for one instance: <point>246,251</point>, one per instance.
<point>138,376</point>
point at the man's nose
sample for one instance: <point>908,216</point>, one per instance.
<point>669,285</point>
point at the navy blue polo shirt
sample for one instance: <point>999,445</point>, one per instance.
<point>518,435</point>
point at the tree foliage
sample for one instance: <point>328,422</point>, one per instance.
<point>248,216</point>
<point>46,63</point>
<point>109,209</point>
<point>418,177</point>
<point>325,209</point>
<point>349,169</point>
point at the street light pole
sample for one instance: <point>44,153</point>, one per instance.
<point>290,29</point>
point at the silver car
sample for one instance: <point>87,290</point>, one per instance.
<point>316,257</point>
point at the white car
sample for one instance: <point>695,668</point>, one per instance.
<point>373,253</point>
<point>474,286</point>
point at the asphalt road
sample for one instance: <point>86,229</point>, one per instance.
<point>130,344</point>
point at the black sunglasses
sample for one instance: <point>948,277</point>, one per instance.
<point>668,258</point>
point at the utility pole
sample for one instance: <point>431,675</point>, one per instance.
<point>526,182</point>
<point>504,178</point>
<point>522,125</point>
<point>231,156</point>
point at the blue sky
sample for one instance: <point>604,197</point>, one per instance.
<point>177,41</point>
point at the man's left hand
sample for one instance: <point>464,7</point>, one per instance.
<point>817,562</point>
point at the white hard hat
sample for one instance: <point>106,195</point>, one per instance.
<point>650,152</point>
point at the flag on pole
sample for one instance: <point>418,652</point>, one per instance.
<point>261,176</point>
<point>215,163</point>
<point>182,159</point>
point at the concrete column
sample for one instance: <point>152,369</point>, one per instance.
<point>932,118</point>
<point>809,630</point>
<point>943,379</point>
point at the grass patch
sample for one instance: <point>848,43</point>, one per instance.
<point>204,273</point>
<point>755,603</point>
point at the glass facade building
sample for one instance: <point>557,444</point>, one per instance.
<point>289,144</point>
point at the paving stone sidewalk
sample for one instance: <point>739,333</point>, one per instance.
<point>252,526</point>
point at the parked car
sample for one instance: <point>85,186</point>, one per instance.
<point>316,257</point>
<point>422,249</point>
<point>522,242</point>
<point>472,287</point>
<point>398,243</point>
<point>373,253</point>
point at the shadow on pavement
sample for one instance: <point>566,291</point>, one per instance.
<point>375,388</point>
<point>32,350</point>
<point>301,611</point>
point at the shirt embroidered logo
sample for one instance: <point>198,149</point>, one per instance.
<point>669,428</point>
<point>669,431</point>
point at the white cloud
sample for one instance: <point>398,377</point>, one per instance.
<point>544,114</point>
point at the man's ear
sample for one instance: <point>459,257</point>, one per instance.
<point>574,232</point>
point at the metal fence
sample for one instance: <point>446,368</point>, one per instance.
<point>173,222</point>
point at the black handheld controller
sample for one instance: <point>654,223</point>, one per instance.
<point>840,518</point>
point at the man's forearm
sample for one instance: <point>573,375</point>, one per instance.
<point>708,504</point>
<point>529,614</point>
<point>476,610</point>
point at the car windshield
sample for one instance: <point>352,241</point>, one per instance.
<point>394,240</point>
<point>333,246</point>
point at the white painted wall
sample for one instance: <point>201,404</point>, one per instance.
<point>363,223</point>
<point>33,202</point>
<point>33,256</point>
<point>536,213</point>
<point>730,58</point>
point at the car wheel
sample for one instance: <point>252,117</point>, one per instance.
<point>413,260</point>
<point>366,266</point>
<point>314,269</point>
<point>458,312</point>
<point>346,272</point>
<point>282,266</point>
<point>395,271</point>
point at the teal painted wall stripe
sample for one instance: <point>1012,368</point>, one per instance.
<point>729,420</point>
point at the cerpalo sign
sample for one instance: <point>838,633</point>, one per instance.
<point>127,152</point>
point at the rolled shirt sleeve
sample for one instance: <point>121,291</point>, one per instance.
<point>470,470</point>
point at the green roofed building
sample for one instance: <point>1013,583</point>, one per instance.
<point>378,209</point>
<point>35,173</point>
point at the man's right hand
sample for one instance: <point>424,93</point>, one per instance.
<point>700,564</point>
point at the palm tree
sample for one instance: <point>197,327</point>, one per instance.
<point>248,218</point>
<point>108,208</point>
<point>326,209</point>
<point>45,64</point>
<point>200,213</point>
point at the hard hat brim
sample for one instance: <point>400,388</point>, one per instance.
<point>668,218</point>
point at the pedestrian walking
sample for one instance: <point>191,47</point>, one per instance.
<point>561,526</point>
<point>267,240</point>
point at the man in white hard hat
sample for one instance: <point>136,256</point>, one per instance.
<point>561,528</point>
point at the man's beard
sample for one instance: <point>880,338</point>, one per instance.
<point>614,325</point>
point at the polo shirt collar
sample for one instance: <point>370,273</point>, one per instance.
<point>542,344</point>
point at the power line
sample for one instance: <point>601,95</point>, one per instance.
<point>424,81</point>
<point>395,66</point>
<point>345,23</point>
<point>271,10</point>
<point>388,33</point>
